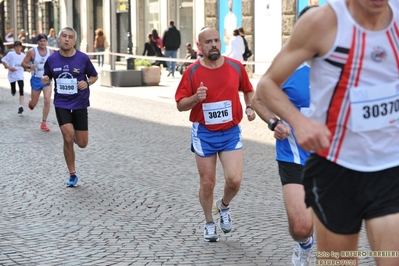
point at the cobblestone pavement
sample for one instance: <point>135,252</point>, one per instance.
<point>136,202</point>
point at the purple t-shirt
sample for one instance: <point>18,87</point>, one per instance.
<point>77,66</point>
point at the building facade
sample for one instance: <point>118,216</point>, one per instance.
<point>267,23</point>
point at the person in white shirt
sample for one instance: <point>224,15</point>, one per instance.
<point>12,61</point>
<point>10,39</point>
<point>237,47</point>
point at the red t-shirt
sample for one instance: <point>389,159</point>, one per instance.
<point>223,83</point>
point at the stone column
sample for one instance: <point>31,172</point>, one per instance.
<point>289,18</point>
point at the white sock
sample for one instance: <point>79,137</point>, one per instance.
<point>307,242</point>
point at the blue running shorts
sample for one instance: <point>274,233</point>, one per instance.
<point>36,84</point>
<point>206,143</point>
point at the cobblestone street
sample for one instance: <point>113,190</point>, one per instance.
<point>136,202</point>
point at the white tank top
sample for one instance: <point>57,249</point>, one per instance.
<point>354,90</point>
<point>39,61</point>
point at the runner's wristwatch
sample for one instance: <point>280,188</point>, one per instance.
<point>272,123</point>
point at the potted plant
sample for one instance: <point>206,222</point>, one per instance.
<point>151,75</point>
<point>141,63</point>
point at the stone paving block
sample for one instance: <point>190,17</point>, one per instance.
<point>137,199</point>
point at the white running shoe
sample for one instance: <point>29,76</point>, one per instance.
<point>225,223</point>
<point>301,256</point>
<point>210,234</point>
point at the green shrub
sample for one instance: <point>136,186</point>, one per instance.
<point>142,62</point>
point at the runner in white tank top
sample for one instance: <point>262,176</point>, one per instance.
<point>39,61</point>
<point>353,176</point>
<point>366,63</point>
<point>35,59</point>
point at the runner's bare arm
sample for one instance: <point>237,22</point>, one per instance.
<point>26,63</point>
<point>188,103</point>
<point>249,111</point>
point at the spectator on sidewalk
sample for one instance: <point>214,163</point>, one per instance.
<point>157,39</point>
<point>10,38</point>
<point>149,49</point>
<point>236,48</point>
<point>2,48</point>
<point>248,53</point>
<point>171,41</point>
<point>199,51</point>
<point>22,36</point>
<point>52,38</point>
<point>33,39</point>
<point>99,45</point>
<point>191,53</point>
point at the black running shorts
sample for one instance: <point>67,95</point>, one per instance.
<point>78,118</point>
<point>341,198</point>
<point>290,173</point>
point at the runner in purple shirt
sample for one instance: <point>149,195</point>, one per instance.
<point>73,73</point>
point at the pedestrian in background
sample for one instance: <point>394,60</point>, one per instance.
<point>99,45</point>
<point>52,38</point>
<point>73,73</point>
<point>191,55</point>
<point>2,48</point>
<point>10,35</point>
<point>22,36</point>
<point>236,48</point>
<point>33,39</point>
<point>199,52</point>
<point>13,62</point>
<point>248,53</point>
<point>10,38</point>
<point>34,60</point>
<point>157,39</point>
<point>210,89</point>
<point>171,41</point>
<point>149,49</point>
<point>157,45</point>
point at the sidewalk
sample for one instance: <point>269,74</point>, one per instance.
<point>164,92</point>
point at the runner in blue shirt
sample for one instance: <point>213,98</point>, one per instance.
<point>291,159</point>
